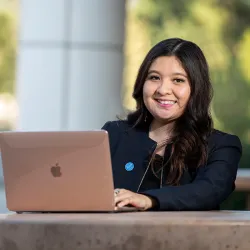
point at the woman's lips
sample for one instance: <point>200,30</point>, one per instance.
<point>165,103</point>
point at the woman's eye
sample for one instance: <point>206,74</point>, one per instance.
<point>153,77</point>
<point>179,80</point>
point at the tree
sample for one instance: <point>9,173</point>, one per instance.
<point>7,53</point>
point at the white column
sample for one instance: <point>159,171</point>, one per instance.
<point>70,63</point>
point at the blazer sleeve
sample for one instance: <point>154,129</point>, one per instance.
<point>212,185</point>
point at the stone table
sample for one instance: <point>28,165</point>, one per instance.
<point>217,230</point>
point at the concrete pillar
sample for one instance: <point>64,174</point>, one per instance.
<point>70,63</point>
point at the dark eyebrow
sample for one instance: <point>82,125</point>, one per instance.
<point>180,74</point>
<point>153,71</point>
<point>175,74</point>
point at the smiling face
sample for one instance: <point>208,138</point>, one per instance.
<point>166,90</point>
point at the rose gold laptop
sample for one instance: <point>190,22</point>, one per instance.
<point>58,171</point>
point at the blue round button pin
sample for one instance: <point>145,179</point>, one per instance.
<point>129,166</point>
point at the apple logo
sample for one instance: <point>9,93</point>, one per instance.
<point>56,170</point>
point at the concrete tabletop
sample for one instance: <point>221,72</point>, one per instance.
<point>215,230</point>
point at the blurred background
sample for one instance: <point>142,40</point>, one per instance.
<point>71,64</point>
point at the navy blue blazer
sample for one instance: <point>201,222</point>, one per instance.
<point>203,188</point>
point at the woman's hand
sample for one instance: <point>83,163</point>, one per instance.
<point>125,197</point>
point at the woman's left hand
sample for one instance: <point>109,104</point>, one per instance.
<point>124,197</point>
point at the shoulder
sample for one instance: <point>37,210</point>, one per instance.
<point>224,146</point>
<point>116,126</point>
<point>219,138</point>
<point>115,130</point>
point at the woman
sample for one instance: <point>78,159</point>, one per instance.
<point>166,155</point>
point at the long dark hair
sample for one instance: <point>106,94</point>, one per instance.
<point>195,125</point>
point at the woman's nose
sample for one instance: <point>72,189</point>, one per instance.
<point>164,88</point>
